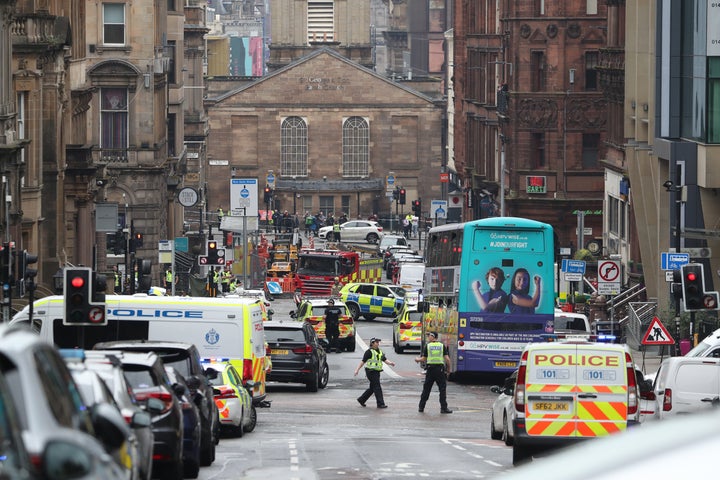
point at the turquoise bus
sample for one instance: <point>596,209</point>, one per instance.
<point>489,290</point>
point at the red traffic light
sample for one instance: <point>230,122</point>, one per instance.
<point>691,276</point>
<point>77,282</point>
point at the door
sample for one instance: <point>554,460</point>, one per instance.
<point>697,386</point>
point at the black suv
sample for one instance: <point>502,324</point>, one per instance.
<point>146,374</point>
<point>297,354</point>
<point>185,358</point>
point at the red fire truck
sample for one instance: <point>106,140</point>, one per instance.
<point>317,269</point>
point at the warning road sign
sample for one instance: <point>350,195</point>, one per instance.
<point>657,334</point>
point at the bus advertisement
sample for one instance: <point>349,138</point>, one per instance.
<point>490,287</point>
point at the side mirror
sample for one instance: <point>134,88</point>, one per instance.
<point>249,385</point>
<point>61,456</point>
<point>109,424</point>
<point>154,405</point>
<point>140,419</point>
<point>495,389</point>
<point>211,373</point>
<point>270,312</point>
<point>179,389</point>
<point>292,314</point>
<point>193,382</point>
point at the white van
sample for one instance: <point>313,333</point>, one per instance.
<point>229,328</point>
<point>709,347</point>
<point>568,391</point>
<point>687,385</point>
<point>411,276</point>
<point>571,323</point>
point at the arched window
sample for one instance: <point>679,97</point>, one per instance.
<point>293,147</point>
<point>356,147</point>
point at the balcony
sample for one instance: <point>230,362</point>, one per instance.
<point>503,103</point>
<point>39,30</point>
<point>114,156</point>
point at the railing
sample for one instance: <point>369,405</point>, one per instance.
<point>114,155</point>
<point>33,29</point>
<point>503,102</point>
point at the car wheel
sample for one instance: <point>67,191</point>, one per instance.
<point>172,470</point>
<point>506,432</point>
<point>253,420</point>
<point>207,445</point>
<point>324,376</point>
<point>372,238</point>
<point>239,430</point>
<point>369,317</point>
<point>354,311</point>
<point>351,345</point>
<point>494,434</point>
<point>313,384</point>
<point>191,468</point>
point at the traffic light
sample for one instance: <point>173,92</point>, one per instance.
<point>268,194</point>
<point>6,265</point>
<point>99,287</point>
<point>693,286</point>
<point>416,207</point>
<point>401,196</point>
<point>215,254</point>
<point>26,275</point>
<point>144,270</point>
<point>138,239</point>
<point>80,309</point>
<point>396,192</point>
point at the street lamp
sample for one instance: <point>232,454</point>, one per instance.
<point>680,192</point>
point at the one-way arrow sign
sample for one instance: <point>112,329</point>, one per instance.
<point>657,334</point>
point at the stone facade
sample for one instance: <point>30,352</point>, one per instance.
<point>324,89</point>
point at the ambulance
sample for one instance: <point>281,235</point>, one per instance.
<point>567,391</point>
<point>223,329</point>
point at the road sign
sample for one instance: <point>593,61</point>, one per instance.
<point>657,334</point>
<point>244,197</point>
<point>673,260</point>
<point>573,277</point>
<point>573,266</point>
<point>270,179</point>
<point>609,277</point>
<point>181,244</point>
<point>438,208</point>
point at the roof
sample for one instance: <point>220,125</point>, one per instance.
<point>287,324</point>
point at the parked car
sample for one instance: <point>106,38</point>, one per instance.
<point>191,422</point>
<point>312,310</point>
<point>186,359</point>
<point>60,432</point>
<point>568,323</point>
<point>407,330</point>
<point>388,240</point>
<point>146,374</point>
<point>297,354</point>
<point>233,398</point>
<point>503,411</point>
<point>393,266</point>
<point>373,300</point>
<point>133,411</point>
<point>708,347</point>
<point>390,251</point>
<point>94,391</point>
<point>355,231</point>
<point>687,385</point>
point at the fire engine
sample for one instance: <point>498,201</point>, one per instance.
<point>317,269</point>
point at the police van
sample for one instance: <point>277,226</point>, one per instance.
<point>568,391</point>
<point>221,328</point>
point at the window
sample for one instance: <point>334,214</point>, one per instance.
<point>327,204</point>
<point>713,96</point>
<point>538,150</point>
<point>591,74</point>
<point>293,147</point>
<point>171,139</point>
<point>591,7</point>
<point>114,123</point>
<point>356,147</point>
<point>537,71</point>
<point>320,21</point>
<point>591,142</point>
<point>114,24</point>
<point>539,7</point>
<point>171,47</point>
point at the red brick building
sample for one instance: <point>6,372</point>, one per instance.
<point>528,98</point>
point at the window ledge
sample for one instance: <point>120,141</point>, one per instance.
<point>113,48</point>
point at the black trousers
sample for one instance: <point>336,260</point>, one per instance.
<point>434,375</point>
<point>332,339</point>
<point>374,389</point>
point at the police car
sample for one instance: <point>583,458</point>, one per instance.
<point>312,311</point>
<point>373,300</point>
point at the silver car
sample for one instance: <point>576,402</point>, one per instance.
<point>57,425</point>
<point>355,231</point>
<point>503,411</point>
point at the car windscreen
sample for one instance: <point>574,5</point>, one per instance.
<point>284,335</point>
<point>180,361</point>
<point>399,291</point>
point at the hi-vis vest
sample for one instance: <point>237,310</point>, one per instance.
<point>336,227</point>
<point>375,362</point>
<point>168,276</point>
<point>435,353</point>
